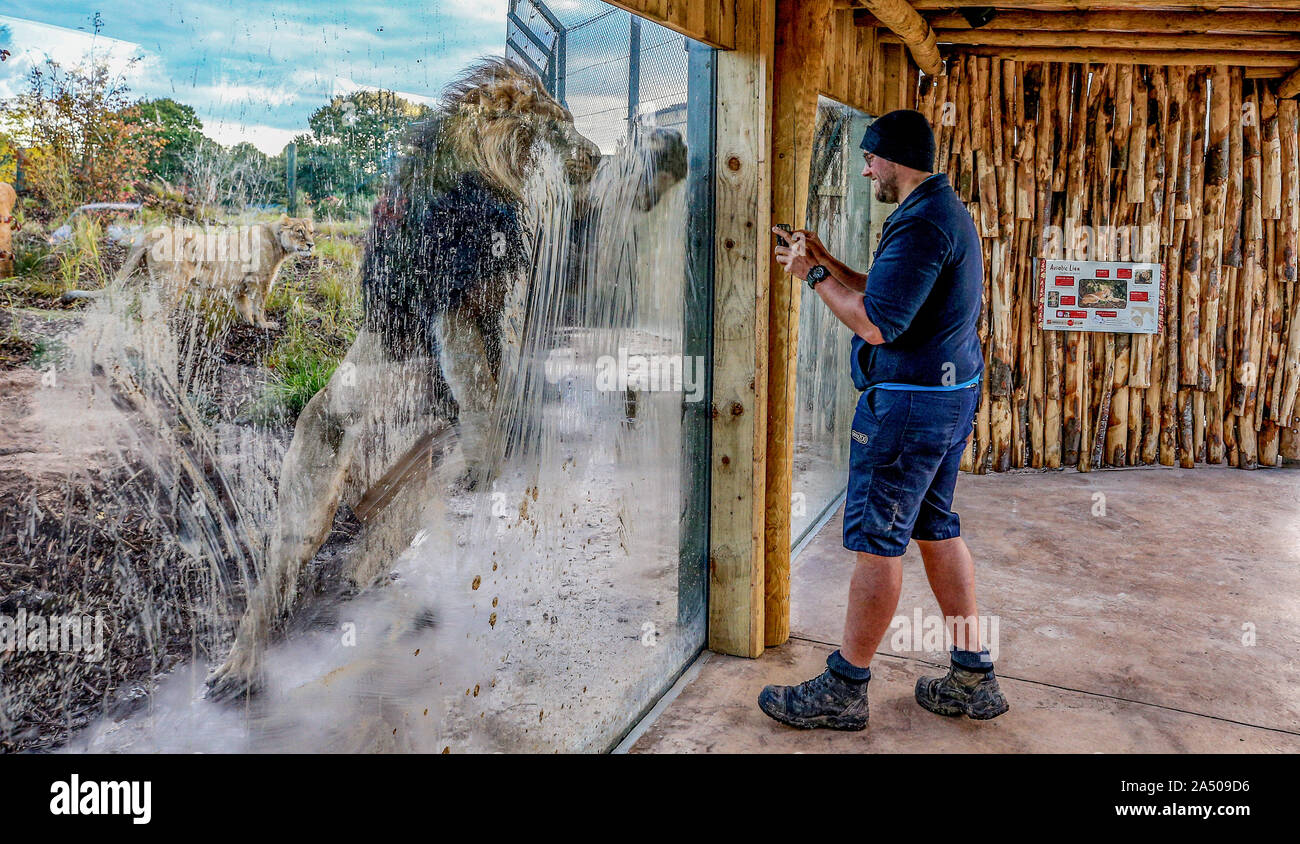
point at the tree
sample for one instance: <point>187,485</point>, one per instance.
<point>352,141</point>
<point>83,136</point>
<point>177,130</point>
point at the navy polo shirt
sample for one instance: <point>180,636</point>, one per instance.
<point>923,292</point>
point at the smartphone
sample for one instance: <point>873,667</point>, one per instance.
<point>781,240</point>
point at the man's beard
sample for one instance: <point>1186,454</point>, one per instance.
<point>886,192</point>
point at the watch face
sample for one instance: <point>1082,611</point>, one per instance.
<point>816,274</point>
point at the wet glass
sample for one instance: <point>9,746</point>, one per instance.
<point>840,212</point>
<point>383,399</point>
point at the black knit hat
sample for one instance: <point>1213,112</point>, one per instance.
<point>903,137</point>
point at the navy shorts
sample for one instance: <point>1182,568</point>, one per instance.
<point>903,460</point>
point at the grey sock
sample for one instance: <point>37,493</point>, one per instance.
<point>847,670</point>
<point>972,660</point>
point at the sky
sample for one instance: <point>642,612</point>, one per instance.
<point>255,70</point>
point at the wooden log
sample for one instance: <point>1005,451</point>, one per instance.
<point>1169,416</point>
<point>1073,411</point>
<point>911,28</point>
<point>1117,433</point>
<point>799,38</point>
<point>1274,299</point>
<point>1026,148</point>
<point>1068,81</point>
<point>965,129</point>
<point>742,203</point>
<point>1232,216</point>
<point>1230,282</point>
<point>1054,358</point>
<point>927,91</point>
<point>1186,452</point>
<point>1198,426</point>
<point>1213,209</point>
<point>1104,56</point>
<point>994,104</point>
<point>1288,129</point>
<point>1138,41</point>
<point>945,119</point>
<point>1148,365</point>
<point>1288,405</point>
<point>1124,21</point>
<point>1078,5</point>
<point>1289,87</point>
<point>1191,281</point>
<point>1173,146</point>
<point>983,427</point>
<point>1271,187</point>
<point>1137,145</point>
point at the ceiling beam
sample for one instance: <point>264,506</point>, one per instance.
<point>1138,5</point>
<point>1133,21</point>
<point>1100,55</point>
<point>1114,40</point>
<point>899,17</point>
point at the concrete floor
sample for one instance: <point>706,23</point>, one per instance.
<point>1123,629</point>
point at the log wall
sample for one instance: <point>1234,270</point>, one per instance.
<point>1193,167</point>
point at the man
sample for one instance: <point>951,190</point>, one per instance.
<point>916,356</point>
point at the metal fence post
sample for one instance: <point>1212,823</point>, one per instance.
<point>633,73</point>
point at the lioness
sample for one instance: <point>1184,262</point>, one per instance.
<point>238,263</point>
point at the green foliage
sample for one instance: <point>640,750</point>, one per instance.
<point>83,137</point>
<point>178,132</point>
<point>298,379</point>
<point>353,139</point>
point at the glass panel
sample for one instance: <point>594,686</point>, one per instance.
<point>840,211</point>
<point>424,461</point>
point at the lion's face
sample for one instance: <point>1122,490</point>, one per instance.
<point>579,154</point>
<point>500,110</point>
<point>297,235</point>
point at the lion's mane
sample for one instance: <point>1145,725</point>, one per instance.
<point>446,231</point>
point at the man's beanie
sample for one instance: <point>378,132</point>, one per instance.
<point>903,137</point>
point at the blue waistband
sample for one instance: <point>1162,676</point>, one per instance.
<point>893,386</point>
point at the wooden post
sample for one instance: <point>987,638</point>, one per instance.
<point>800,33</point>
<point>742,246</point>
<point>291,178</point>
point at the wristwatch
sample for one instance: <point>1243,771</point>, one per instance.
<point>815,275</point>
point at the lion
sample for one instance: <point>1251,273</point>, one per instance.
<point>444,280</point>
<point>236,263</point>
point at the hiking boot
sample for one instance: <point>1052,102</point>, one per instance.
<point>829,700</point>
<point>965,691</point>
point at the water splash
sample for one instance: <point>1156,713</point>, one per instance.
<point>535,613</point>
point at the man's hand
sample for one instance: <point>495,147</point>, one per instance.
<point>804,252</point>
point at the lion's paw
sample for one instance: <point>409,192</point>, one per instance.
<point>236,678</point>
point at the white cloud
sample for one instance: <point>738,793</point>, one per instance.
<point>476,10</point>
<point>269,139</point>
<point>31,43</point>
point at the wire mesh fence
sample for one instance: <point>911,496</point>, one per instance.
<point>610,67</point>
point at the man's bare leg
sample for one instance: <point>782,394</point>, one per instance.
<point>837,699</point>
<point>873,601</point>
<point>970,688</point>
<point>951,572</point>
